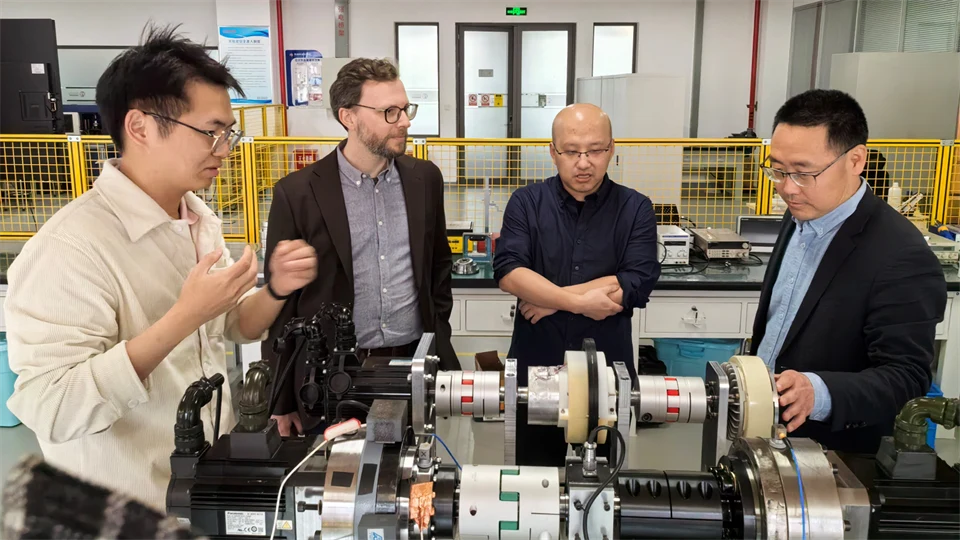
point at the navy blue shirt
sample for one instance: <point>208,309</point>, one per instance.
<point>614,232</point>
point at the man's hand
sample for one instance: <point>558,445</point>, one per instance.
<point>206,295</point>
<point>293,266</point>
<point>597,304</point>
<point>796,398</point>
<point>286,421</point>
<point>534,313</point>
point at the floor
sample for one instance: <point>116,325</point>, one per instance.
<point>667,447</point>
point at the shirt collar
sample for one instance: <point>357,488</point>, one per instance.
<point>389,174</point>
<point>606,185</point>
<point>136,210</point>
<point>827,223</point>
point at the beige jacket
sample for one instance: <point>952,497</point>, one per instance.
<point>106,267</point>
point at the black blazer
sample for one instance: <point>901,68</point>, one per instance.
<point>309,204</point>
<point>866,325</point>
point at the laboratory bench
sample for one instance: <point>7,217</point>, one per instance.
<point>716,301</point>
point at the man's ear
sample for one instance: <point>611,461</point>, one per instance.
<point>347,117</point>
<point>135,128</point>
<point>858,159</point>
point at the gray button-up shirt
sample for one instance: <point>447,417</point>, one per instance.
<point>385,309</point>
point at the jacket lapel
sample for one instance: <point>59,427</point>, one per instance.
<point>415,193</point>
<point>329,196</point>
<point>840,248</point>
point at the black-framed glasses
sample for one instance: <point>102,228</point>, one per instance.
<point>229,136</point>
<point>574,155</point>
<point>801,179</point>
<point>392,114</point>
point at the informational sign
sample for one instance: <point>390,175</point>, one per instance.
<point>341,41</point>
<point>304,158</point>
<point>516,11</point>
<point>472,100</point>
<point>484,100</point>
<point>304,82</point>
<point>498,100</point>
<point>246,51</point>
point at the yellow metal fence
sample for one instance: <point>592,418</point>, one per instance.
<point>707,182</point>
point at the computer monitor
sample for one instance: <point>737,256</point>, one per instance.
<point>760,231</point>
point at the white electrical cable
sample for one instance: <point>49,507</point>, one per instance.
<point>344,428</point>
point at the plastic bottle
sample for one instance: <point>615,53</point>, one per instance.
<point>895,196</point>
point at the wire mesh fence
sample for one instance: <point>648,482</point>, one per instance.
<point>36,180</point>
<point>706,182</point>
<point>910,165</point>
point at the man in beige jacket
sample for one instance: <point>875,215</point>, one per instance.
<point>127,294</point>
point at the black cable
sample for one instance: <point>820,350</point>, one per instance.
<point>622,456</point>
<point>685,218</point>
<point>664,257</point>
<point>353,402</point>
<point>756,261</point>
<point>216,422</point>
<point>278,384</point>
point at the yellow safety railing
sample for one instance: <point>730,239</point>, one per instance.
<point>262,120</point>
<point>707,182</point>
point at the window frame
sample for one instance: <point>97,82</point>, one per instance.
<point>636,42</point>
<point>396,54</point>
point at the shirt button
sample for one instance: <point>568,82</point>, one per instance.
<point>178,228</point>
<point>384,290</point>
<point>132,403</point>
<point>380,223</point>
<point>803,246</point>
<point>579,241</point>
<point>576,267</point>
<point>358,182</point>
<point>382,257</point>
<point>376,191</point>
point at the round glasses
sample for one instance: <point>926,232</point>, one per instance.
<point>229,137</point>
<point>392,114</point>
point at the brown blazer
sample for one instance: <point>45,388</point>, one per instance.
<point>309,204</point>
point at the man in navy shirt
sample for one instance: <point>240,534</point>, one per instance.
<point>580,253</point>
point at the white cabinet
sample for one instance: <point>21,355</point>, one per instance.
<point>692,317</point>
<point>752,309</point>
<point>456,317</point>
<point>486,316</point>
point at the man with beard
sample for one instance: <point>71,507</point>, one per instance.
<point>375,217</point>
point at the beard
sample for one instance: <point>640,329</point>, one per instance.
<point>380,147</point>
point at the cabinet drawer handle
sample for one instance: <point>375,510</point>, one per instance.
<point>696,319</point>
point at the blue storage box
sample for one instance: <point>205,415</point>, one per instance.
<point>7,379</point>
<point>931,427</point>
<point>689,357</point>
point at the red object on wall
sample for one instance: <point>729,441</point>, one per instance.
<point>304,158</point>
<point>752,105</point>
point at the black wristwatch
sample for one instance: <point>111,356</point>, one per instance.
<point>274,294</point>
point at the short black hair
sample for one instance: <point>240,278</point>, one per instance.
<point>153,76</point>
<point>839,112</point>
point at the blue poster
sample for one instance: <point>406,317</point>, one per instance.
<point>246,51</point>
<point>303,78</point>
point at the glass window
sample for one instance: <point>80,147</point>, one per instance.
<point>614,49</point>
<point>418,49</point>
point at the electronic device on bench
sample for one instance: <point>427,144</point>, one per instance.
<point>721,243</point>
<point>673,245</point>
<point>382,479</point>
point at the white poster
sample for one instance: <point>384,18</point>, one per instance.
<point>246,51</point>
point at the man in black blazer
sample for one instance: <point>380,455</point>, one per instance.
<point>375,217</point>
<point>852,294</point>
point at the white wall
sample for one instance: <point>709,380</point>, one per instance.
<point>665,35</point>
<point>776,25</point>
<point>117,22</point>
<point>665,31</point>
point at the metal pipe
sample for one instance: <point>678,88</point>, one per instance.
<point>752,105</point>
<point>911,424</point>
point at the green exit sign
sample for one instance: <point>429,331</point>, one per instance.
<point>517,11</point>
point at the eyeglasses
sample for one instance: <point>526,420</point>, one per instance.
<point>801,179</point>
<point>392,114</point>
<point>574,155</point>
<point>229,136</point>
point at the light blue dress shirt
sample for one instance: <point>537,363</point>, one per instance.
<point>801,259</point>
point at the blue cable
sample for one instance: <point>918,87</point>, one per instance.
<point>803,503</point>
<point>457,463</point>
